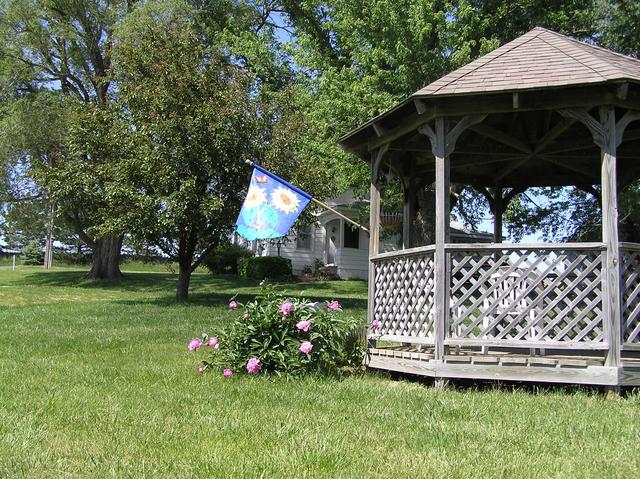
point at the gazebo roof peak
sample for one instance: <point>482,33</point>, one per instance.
<point>538,59</point>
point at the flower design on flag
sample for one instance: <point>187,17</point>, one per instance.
<point>255,197</point>
<point>285,200</point>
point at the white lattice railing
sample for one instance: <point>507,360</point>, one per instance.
<point>404,295</point>
<point>630,285</point>
<point>534,296</point>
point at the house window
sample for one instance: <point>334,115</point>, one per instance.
<point>351,237</point>
<point>303,238</point>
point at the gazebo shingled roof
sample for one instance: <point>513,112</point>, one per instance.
<point>529,88</point>
<point>538,59</point>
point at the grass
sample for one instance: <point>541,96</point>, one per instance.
<point>96,381</point>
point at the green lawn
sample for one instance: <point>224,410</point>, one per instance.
<point>96,381</point>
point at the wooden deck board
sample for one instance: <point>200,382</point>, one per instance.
<point>505,365</point>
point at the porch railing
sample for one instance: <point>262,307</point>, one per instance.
<point>630,285</point>
<point>404,290</point>
<point>522,296</point>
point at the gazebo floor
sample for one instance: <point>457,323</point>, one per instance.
<point>584,367</point>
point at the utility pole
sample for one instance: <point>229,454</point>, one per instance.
<point>48,249</point>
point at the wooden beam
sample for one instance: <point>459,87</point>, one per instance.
<point>376,162</point>
<point>611,278</point>
<point>411,124</point>
<point>442,236</point>
<point>553,133</point>
<point>360,141</point>
<point>374,232</point>
<point>629,116</point>
<point>572,145</point>
<point>501,137</point>
<point>484,192</point>
<point>622,91</point>
<point>498,210</point>
<point>421,106</point>
<point>379,129</point>
<point>567,166</point>
<point>583,116</point>
<point>510,195</point>
<point>461,126</point>
<point>408,186</point>
<point>511,168</point>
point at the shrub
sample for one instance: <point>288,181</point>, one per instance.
<point>226,258</point>
<point>32,254</point>
<point>274,268</point>
<point>274,334</point>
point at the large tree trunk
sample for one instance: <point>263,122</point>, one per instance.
<point>184,278</point>
<point>106,258</point>
<point>186,249</point>
<point>423,224</point>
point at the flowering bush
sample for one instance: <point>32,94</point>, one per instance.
<point>275,334</point>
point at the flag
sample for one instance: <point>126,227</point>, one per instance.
<point>271,207</point>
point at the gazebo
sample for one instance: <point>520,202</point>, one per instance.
<point>542,110</point>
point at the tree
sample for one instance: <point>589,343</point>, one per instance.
<point>62,49</point>
<point>193,119</point>
<point>199,105</point>
<point>32,253</point>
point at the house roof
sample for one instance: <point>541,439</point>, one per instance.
<point>538,59</point>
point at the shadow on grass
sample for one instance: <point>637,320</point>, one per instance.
<point>205,289</point>
<point>222,298</point>
<point>138,281</point>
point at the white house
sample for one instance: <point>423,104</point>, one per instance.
<point>334,241</point>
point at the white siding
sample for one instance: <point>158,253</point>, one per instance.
<point>352,263</point>
<point>300,257</point>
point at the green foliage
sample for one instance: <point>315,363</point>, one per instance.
<point>621,26</point>
<point>55,62</point>
<point>272,327</point>
<point>226,258</point>
<point>32,254</point>
<point>274,268</point>
<point>196,115</point>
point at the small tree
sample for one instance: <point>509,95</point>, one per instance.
<point>32,254</point>
<point>193,115</point>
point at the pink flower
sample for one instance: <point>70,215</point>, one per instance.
<point>195,344</point>
<point>305,347</point>
<point>303,326</point>
<point>333,305</point>
<point>233,304</point>
<point>245,316</point>
<point>212,343</point>
<point>227,373</point>
<point>253,366</point>
<point>286,308</point>
<point>201,369</point>
<point>375,324</point>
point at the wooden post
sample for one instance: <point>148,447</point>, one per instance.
<point>407,214</point>
<point>611,278</point>
<point>498,210</point>
<point>442,237</point>
<point>374,228</point>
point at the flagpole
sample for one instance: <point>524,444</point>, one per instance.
<point>325,206</point>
